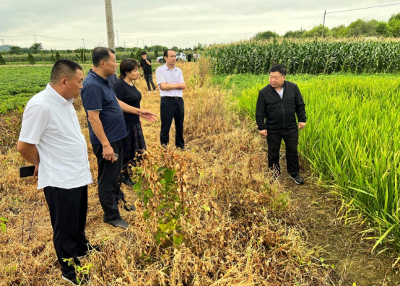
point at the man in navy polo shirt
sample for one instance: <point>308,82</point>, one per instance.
<point>107,129</point>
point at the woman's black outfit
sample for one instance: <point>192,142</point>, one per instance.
<point>133,144</point>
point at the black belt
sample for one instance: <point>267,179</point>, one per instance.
<point>172,97</point>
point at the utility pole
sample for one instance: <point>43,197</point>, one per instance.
<point>34,35</point>
<point>323,25</point>
<point>110,25</point>
<point>83,41</point>
<point>4,49</point>
<point>117,38</point>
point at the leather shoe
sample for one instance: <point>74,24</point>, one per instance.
<point>117,223</point>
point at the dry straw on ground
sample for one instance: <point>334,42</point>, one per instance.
<point>238,229</point>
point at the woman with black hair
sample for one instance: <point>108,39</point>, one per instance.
<point>125,90</point>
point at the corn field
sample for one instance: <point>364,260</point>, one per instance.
<point>352,139</point>
<point>315,57</point>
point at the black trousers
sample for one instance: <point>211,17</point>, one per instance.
<point>291,139</point>
<point>68,210</point>
<point>149,80</point>
<point>172,108</point>
<point>109,180</point>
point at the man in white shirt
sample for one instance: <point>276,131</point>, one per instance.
<point>51,139</point>
<point>171,84</point>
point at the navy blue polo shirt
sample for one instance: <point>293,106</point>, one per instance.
<point>98,95</point>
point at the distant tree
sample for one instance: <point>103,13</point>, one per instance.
<point>383,29</point>
<point>58,56</point>
<point>265,35</point>
<point>317,32</point>
<point>294,34</point>
<point>52,59</point>
<point>155,52</point>
<point>394,17</point>
<point>132,55</point>
<point>16,50</point>
<point>2,61</point>
<point>138,56</point>
<point>339,31</point>
<point>31,59</point>
<point>361,28</point>
<point>176,49</point>
<point>119,49</point>
<point>35,48</point>
<point>394,25</point>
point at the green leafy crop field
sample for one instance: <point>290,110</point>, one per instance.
<point>19,84</point>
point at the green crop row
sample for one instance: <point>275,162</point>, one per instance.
<point>352,139</point>
<point>256,57</point>
<point>19,84</point>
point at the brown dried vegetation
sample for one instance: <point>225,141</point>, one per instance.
<point>238,229</point>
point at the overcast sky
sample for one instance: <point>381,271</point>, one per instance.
<point>63,24</point>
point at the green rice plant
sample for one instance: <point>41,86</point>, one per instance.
<point>352,140</point>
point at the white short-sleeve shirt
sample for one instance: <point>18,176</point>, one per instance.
<point>50,122</point>
<point>174,76</point>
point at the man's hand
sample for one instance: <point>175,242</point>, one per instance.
<point>302,125</point>
<point>263,132</point>
<point>108,153</point>
<point>35,173</point>
<point>149,116</point>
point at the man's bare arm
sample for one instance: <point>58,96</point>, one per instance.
<point>30,153</point>
<point>97,126</point>
<point>142,113</point>
<point>170,86</point>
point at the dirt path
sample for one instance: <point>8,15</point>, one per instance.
<point>342,244</point>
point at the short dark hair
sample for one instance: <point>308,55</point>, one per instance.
<point>143,53</point>
<point>127,65</point>
<point>166,52</point>
<point>279,68</point>
<point>99,54</point>
<point>63,68</point>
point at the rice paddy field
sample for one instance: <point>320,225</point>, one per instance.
<point>351,141</point>
<point>231,225</point>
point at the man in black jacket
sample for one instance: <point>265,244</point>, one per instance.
<point>277,106</point>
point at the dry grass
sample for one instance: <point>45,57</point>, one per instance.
<point>238,230</point>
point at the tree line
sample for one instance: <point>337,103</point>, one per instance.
<point>358,28</point>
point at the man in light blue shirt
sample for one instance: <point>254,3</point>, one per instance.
<point>171,84</point>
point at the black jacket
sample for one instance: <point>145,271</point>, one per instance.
<point>276,114</point>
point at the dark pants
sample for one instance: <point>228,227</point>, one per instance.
<point>108,180</point>
<point>291,139</point>
<point>172,108</point>
<point>149,80</point>
<point>68,209</point>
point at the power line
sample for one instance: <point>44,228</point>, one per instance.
<point>363,8</point>
<point>313,23</point>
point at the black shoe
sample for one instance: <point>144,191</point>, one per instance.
<point>70,279</point>
<point>129,208</point>
<point>182,148</point>
<point>90,249</point>
<point>297,179</point>
<point>117,223</point>
<point>127,181</point>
